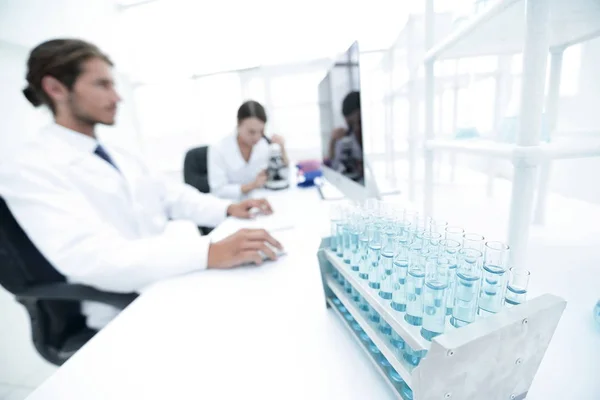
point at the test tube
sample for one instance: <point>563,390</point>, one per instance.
<point>356,227</point>
<point>349,221</point>
<point>437,276</point>
<point>493,284</point>
<point>473,241</point>
<point>423,223</point>
<point>385,328</point>
<point>468,282</point>
<point>341,222</point>
<point>455,233</point>
<point>334,218</point>
<point>371,206</point>
<point>413,357</point>
<point>375,243</point>
<point>516,292</point>
<point>374,316</point>
<point>439,226</point>
<point>386,261</point>
<point>398,343</point>
<point>410,216</point>
<point>406,392</point>
<point>415,280</point>
<point>401,268</point>
<point>450,251</point>
<point>363,245</point>
<point>431,241</point>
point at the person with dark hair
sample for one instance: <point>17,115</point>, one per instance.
<point>237,163</point>
<point>345,145</point>
<point>94,211</point>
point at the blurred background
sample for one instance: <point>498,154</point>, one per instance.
<point>183,68</point>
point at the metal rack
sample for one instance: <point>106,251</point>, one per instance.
<point>492,358</point>
<point>508,27</point>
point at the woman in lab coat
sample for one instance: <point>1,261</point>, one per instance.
<point>237,163</point>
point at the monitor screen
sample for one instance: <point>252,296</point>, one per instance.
<point>341,125</point>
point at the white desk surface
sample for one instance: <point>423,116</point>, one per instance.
<point>265,333</point>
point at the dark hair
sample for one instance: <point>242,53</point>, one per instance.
<point>251,109</point>
<point>61,59</point>
<point>351,103</point>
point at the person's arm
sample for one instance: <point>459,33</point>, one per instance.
<point>336,134</point>
<point>76,240</point>
<point>182,201</point>
<point>217,177</point>
<point>281,142</point>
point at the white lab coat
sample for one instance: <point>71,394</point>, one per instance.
<point>227,169</point>
<point>101,227</point>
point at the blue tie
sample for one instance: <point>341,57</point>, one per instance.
<point>100,152</point>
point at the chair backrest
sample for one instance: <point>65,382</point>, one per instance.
<point>195,168</point>
<point>23,266</point>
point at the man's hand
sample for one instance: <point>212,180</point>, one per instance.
<point>243,209</point>
<point>243,247</point>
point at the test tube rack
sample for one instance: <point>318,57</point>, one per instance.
<point>495,357</point>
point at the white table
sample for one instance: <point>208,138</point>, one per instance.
<point>264,333</point>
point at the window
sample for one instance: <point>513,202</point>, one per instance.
<point>294,89</point>
<point>255,89</point>
<point>571,69</point>
<point>300,125</point>
<point>177,116</point>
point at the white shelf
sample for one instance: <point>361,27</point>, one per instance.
<point>398,364</point>
<point>556,151</point>
<point>530,154</point>
<point>501,29</point>
<point>473,146</point>
<point>409,333</point>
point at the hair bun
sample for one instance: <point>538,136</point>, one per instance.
<point>32,96</point>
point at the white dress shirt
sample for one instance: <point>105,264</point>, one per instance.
<point>101,226</point>
<point>227,169</point>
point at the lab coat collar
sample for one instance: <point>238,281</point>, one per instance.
<point>77,149</point>
<point>77,140</point>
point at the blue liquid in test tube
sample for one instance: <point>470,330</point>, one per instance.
<point>516,291</point>
<point>386,265</point>
<point>413,357</point>
<point>346,250</point>
<point>385,328</point>
<point>415,280</point>
<point>354,252</point>
<point>450,251</point>
<point>401,268</point>
<point>399,290</point>
<point>375,243</point>
<point>340,238</point>
<point>468,283</point>
<point>434,297</point>
<point>493,285</point>
<point>363,250</point>
<point>333,239</point>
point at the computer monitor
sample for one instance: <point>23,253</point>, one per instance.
<point>344,163</point>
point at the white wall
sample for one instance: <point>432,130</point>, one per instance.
<point>18,118</point>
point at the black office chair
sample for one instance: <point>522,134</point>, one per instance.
<point>195,168</point>
<point>195,173</point>
<point>58,328</point>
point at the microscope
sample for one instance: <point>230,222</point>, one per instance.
<point>277,171</point>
